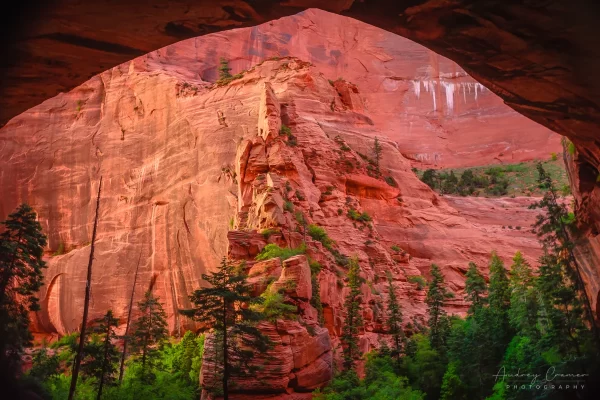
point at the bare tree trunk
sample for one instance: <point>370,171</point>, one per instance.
<point>86,304</point>
<point>225,358</point>
<point>124,353</point>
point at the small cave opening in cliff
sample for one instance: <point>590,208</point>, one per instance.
<point>296,150</point>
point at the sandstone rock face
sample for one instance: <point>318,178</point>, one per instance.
<point>295,279</point>
<point>194,172</point>
<point>436,113</point>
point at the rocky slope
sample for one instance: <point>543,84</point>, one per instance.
<point>193,172</point>
<point>436,113</point>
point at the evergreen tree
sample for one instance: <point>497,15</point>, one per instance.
<point>430,177</point>
<point>185,357</point>
<point>377,151</point>
<point>224,70</point>
<point>21,272</point>
<point>475,288</point>
<point>453,387</point>
<point>100,354</point>
<point>523,311</point>
<point>554,228</point>
<point>394,320</point>
<point>353,321</point>
<point>499,304</point>
<point>226,307</point>
<point>149,332</point>
<point>439,324</point>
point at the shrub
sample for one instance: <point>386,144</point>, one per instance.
<point>328,190</point>
<point>266,233</point>
<point>272,251</point>
<point>300,196</point>
<point>396,248</point>
<point>356,216</point>
<point>273,306</point>
<point>571,148</point>
<point>340,211</point>
<point>300,217</point>
<point>285,130</point>
<point>419,280</point>
<point>288,206</point>
<point>60,250</point>
<point>344,147</point>
<point>319,234</point>
<point>391,181</point>
<point>553,156</point>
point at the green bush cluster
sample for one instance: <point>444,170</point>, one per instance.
<point>272,250</point>
<point>358,216</point>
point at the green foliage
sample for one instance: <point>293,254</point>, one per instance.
<point>357,216</point>
<point>453,387</point>
<point>419,280</point>
<point>438,323</point>
<point>224,70</point>
<point>149,333</point>
<point>300,196</point>
<point>272,250</point>
<point>553,156</point>
<point>571,148</point>
<point>21,249</point>
<point>475,288</point>
<point>273,306</point>
<point>497,180</point>
<point>267,233</point>
<point>291,139</point>
<point>285,130</point>
<point>430,178</point>
<point>377,151</point>
<point>319,234</point>
<point>100,354</point>
<point>315,301</point>
<point>288,206</point>
<point>228,307</point>
<point>394,320</point>
<point>381,383</point>
<point>353,320</point>
<point>391,181</point>
<point>60,250</point>
<point>423,366</point>
<point>395,248</point>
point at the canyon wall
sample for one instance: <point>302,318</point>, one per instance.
<point>194,171</point>
<point>436,113</point>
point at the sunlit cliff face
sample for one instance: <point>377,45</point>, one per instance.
<point>168,145</point>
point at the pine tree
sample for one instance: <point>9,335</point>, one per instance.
<point>353,321</point>
<point>227,307</point>
<point>21,273</point>
<point>377,151</point>
<point>523,311</point>
<point>554,228</point>
<point>149,332</point>
<point>184,359</point>
<point>224,70</point>
<point>499,304</point>
<point>439,324</point>
<point>475,288</point>
<point>394,320</point>
<point>430,177</point>
<point>100,354</point>
<point>453,387</point>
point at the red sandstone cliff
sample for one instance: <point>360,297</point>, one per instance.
<point>195,171</point>
<point>428,105</point>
